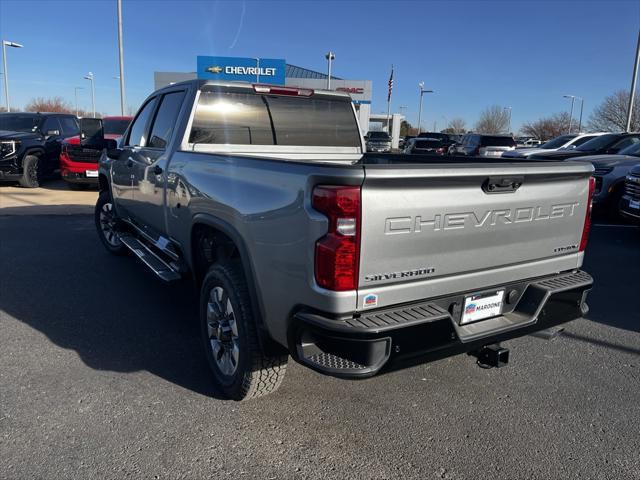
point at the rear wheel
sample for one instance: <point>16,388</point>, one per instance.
<point>107,225</point>
<point>240,368</point>
<point>30,172</point>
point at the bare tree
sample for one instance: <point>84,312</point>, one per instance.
<point>548,127</point>
<point>611,114</point>
<point>457,126</point>
<point>55,104</point>
<point>494,119</point>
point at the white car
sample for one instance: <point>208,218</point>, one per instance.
<point>563,141</point>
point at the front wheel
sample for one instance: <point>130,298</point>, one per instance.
<point>30,172</point>
<point>240,368</point>
<point>106,225</point>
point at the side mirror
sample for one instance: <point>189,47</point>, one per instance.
<point>91,132</point>
<point>113,152</point>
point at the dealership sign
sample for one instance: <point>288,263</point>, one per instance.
<point>239,69</point>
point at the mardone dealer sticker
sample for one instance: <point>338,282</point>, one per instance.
<point>479,307</point>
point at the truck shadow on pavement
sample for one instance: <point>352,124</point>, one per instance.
<point>58,279</point>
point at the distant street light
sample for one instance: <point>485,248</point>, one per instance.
<point>422,92</point>
<point>330,58</point>
<point>75,91</point>
<point>5,44</point>
<point>509,109</point>
<point>573,99</point>
<point>89,77</point>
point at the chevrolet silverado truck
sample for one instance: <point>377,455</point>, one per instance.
<point>303,245</point>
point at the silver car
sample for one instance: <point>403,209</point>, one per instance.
<point>567,141</point>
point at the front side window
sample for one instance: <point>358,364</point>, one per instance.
<point>166,119</point>
<point>137,135</point>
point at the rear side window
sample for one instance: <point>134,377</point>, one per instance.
<point>137,134</point>
<point>250,119</point>
<point>166,119</point>
<point>490,141</point>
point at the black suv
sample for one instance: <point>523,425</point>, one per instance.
<point>30,144</point>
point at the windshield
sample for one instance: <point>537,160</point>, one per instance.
<point>378,136</point>
<point>20,122</point>
<point>115,126</point>
<point>633,150</point>
<point>557,142</point>
<point>597,143</point>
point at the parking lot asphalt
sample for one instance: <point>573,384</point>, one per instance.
<point>102,375</point>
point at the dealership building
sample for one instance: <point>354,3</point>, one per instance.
<point>278,72</point>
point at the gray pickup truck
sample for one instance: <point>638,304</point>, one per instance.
<point>302,245</point>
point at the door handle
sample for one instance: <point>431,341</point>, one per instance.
<point>129,162</point>
<point>157,170</point>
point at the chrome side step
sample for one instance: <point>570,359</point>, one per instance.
<point>157,265</point>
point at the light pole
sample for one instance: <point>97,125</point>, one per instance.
<point>257,70</point>
<point>75,92</point>
<point>121,58</point>
<point>509,110</point>
<point>422,92</point>
<point>330,58</point>
<point>573,99</point>
<point>89,77</point>
<point>5,44</point>
<point>580,121</point>
<point>634,81</point>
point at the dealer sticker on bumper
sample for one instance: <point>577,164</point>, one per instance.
<point>481,306</point>
<point>91,173</point>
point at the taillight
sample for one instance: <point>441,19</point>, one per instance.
<point>587,217</point>
<point>338,252</point>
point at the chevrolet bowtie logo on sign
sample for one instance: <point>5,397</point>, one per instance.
<point>254,70</point>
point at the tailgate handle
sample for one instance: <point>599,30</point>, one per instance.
<point>502,184</point>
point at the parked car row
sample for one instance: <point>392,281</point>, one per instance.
<point>34,146</point>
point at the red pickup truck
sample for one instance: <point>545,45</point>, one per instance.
<point>78,163</point>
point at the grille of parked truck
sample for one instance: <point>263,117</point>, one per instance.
<point>630,201</point>
<point>79,161</point>
<point>303,245</point>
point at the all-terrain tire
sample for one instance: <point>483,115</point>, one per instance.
<point>30,172</point>
<point>107,225</point>
<point>254,373</point>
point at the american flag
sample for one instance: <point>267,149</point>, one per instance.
<point>390,84</point>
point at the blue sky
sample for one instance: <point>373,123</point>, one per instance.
<point>472,53</point>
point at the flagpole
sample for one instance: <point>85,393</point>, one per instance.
<point>389,101</point>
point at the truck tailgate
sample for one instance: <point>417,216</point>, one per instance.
<point>422,224</point>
